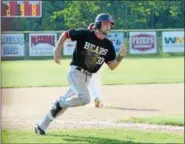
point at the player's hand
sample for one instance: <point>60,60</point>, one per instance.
<point>57,56</point>
<point>123,51</point>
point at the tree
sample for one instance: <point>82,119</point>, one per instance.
<point>77,13</point>
<point>61,15</point>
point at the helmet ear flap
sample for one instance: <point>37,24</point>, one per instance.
<point>97,25</point>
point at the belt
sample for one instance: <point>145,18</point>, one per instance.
<point>84,71</point>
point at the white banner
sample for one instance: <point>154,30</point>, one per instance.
<point>42,44</point>
<point>12,45</point>
<point>69,47</point>
<point>142,42</point>
<point>173,41</point>
<point>117,39</point>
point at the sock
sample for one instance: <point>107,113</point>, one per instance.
<point>55,110</point>
<point>45,123</point>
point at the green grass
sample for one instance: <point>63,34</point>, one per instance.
<point>92,136</point>
<point>130,71</point>
<point>176,120</point>
<point>134,71</point>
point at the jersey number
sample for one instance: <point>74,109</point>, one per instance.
<point>100,60</point>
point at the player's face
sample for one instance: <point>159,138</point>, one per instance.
<point>106,27</point>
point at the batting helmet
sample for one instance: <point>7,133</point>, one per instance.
<point>103,17</point>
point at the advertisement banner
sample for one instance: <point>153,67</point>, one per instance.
<point>143,42</point>
<point>12,45</point>
<point>69,47</point>
<point>173,41</point>
<point>117,39</point>
<point>42,44</point>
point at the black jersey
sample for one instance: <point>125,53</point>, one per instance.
<point>90,52</point>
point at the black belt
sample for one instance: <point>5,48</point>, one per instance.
<point>84,71</point>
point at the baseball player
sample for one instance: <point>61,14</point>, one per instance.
<point>92,50</point>
<point>95,89</point>
<point>95,84</point>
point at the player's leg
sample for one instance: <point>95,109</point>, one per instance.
<point>92,87</point>
<point>78,84</point>
<point>95,89</point>
<point>76,95</point>
<point>54,112</point>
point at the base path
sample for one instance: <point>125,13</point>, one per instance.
<point>22,108</point>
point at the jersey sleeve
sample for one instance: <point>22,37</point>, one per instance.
<point>111,54</point>
<point>76,34</point>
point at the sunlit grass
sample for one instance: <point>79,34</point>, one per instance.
<point>130,71</point>
<point>92,136</point>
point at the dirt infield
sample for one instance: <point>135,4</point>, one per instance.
<point>22,108</point>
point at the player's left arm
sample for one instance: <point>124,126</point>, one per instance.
<point>113,64</point>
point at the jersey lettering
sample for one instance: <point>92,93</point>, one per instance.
<point>92,46</point>
<point>95,49</point>
<point>103,51</point>
<point>87,45</point>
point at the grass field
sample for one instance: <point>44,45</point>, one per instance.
<point>130,71</point>
<point>92,136</point>
<point>177,120</point>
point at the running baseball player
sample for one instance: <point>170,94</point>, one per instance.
<point>95,84</point>
<point>92,50</point>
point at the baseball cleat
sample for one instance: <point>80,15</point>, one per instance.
<point>39,131</point>
<point>97,102</point>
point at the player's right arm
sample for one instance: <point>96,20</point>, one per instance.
<point>60,43</point>
<point>73,34</point>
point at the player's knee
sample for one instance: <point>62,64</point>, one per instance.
<point>85,99</point>
<point>55,110</point>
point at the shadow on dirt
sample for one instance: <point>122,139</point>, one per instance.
<point>128,109</point>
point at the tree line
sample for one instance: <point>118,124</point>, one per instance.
<point>62,15</point>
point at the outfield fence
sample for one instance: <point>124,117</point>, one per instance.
<point>40,45</point>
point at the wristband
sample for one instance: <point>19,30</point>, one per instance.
<point>119,58</point>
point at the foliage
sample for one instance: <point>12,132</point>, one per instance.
<point>61,15</point>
